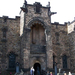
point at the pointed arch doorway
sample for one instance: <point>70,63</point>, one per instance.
<point>37,68</point>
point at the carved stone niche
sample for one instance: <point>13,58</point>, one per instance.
<point>37,7</point>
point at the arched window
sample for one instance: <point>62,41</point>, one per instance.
<point>64,58</point>
<point>12,59</point>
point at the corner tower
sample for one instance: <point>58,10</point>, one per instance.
<point>35,33</point>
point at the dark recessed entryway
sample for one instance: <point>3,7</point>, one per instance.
<point>37,68</point>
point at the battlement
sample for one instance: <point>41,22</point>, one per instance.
<point>7,17</point>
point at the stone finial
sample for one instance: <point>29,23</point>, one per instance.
<point>65,23</point>
<point>48,4</point>
<point>68,22</point>
<point>24,8</point>
<point>25,2</point>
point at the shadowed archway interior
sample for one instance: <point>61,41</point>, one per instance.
<point>37,68</point>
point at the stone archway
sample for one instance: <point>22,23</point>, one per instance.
<point>37,68</point>
<point>37,20</point>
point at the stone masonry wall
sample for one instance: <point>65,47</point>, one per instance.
<point>60,47</point>
<point>12,38</point>
<point>17,40</point>
<point>71,38</point>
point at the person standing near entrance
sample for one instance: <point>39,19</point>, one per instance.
<point>32,71</point>
<point>50,73</point>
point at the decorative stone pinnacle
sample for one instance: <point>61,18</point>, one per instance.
<point>24,8</point>
<point>49,4</point>
<point>25,1</point>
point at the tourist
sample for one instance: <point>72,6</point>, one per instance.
<point>64,73</point>
<point>50,73</point>
<point>70,73</point>
<point>32,71</point>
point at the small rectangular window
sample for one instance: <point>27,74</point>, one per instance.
<point>64,61</point>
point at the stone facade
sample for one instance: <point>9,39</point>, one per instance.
<point>9,29</point>
<point>36,51</point>
<point>71,37</point>
<point>32,40</point>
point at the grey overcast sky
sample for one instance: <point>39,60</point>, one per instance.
<point>65,8</point>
